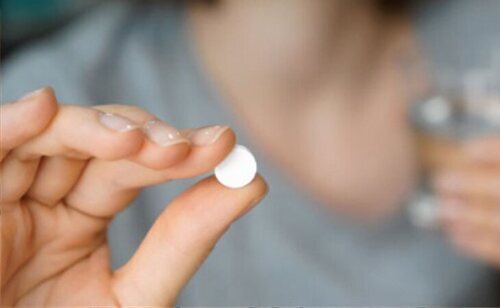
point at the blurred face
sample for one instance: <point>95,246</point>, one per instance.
<point>319,85</point>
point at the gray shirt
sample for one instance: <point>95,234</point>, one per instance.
<point>288,251</point>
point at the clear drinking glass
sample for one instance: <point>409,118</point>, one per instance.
<point>463,105</point>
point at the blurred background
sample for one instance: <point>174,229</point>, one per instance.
<point>27,20</point>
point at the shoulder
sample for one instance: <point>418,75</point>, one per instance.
<point>77,58</point>
<point>451,31</point>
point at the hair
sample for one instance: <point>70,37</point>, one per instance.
<point>385,6</point>
<point>393,6</point>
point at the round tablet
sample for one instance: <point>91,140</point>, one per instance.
<point>238,169</point>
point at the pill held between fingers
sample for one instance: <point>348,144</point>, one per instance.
<point>238,169</point>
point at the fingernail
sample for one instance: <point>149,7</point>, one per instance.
<point>206,135</point>
<point>116,122</point>
<point>162,133</point>
<point>448,182</point>
<point>451,209</point>
<point>32,94</point>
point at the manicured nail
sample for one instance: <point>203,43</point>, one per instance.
<point>116,122</point>
<point>206,135</point>
<point>451,209</point>
<point>448,182</point>
<point>32,94</point>
<point>162,133</point>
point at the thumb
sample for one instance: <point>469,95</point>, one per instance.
<point>181,239</point>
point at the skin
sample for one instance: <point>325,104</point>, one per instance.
<point>64,176</point>
<point>301,79</point>
<point>305,76</point>
<point>327,95</point>
<point>465,175</point>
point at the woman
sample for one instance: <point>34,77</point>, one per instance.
<point>316,88</point>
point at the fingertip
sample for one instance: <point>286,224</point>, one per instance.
<point>44,100</point>
<point>45,106</point>
<point>215,152</point>
<point>38,107</point>
<point>27,117</point>
<point>257,190</point>
<point>228,138</point>
<point>206,135</point>
<point>204,158</point>
<point>259,186</point>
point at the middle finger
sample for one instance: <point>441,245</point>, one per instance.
<point>477,183</point>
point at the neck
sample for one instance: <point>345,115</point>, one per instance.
<point>273,60</point>
<point>308,78</point>
<point>275,53</point>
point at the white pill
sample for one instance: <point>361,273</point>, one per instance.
<point>238,169</point>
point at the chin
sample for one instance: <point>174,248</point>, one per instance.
<point>375,201</point>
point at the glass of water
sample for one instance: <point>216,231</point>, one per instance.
<point>463,105</point>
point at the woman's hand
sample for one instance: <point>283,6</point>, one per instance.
<point>66,171</point>
<point>470,200</point>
